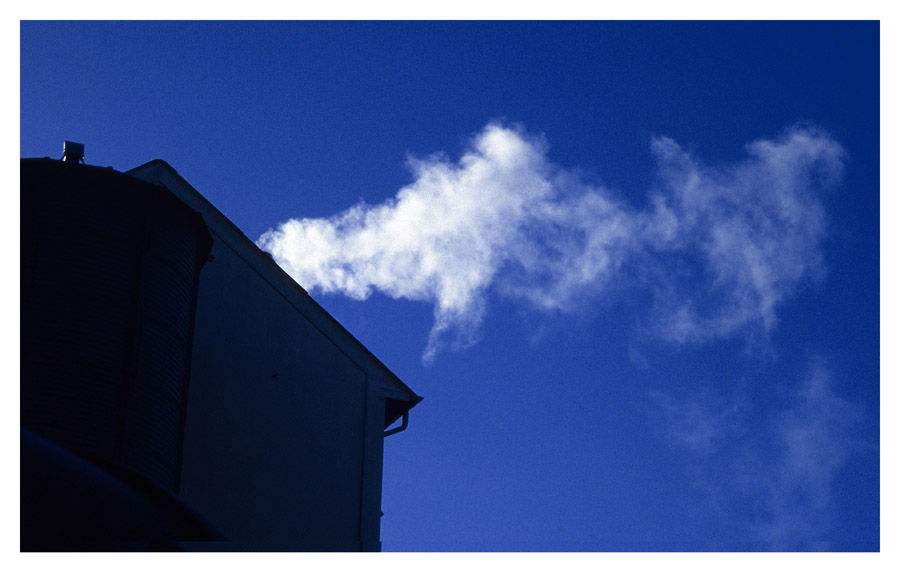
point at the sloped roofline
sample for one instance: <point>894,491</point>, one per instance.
<point>400,397</point>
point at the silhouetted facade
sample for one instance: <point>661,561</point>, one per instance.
<point>179,390</point>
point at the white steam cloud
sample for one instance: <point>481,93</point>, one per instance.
<point>719,249</point>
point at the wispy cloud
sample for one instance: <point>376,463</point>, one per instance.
<point>775,479</point>
<point>738,239</point>
<point>814,440</point>
<point>703,424</point>
<point>719,249</point>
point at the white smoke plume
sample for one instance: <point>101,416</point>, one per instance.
<point>505,218</point>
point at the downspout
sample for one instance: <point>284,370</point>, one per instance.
<point>400,428</point>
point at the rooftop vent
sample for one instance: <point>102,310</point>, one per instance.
<point>73,152</point>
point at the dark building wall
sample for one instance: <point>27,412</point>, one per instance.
<point>109,277</point>
<point>165,351</point>
<point>108,285</point>
<point>275,436</point>
<point>316,429</point>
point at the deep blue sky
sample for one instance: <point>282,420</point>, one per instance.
<point>676,348</point>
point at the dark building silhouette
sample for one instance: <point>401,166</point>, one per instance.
<point>178,389</point>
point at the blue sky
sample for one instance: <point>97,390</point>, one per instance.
<point>633,268</point>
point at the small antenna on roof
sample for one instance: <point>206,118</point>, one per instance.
<point>73,152</point>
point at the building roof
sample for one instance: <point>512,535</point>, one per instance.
<point>399,398</point>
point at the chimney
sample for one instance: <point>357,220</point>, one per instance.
<point>73,152</point>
